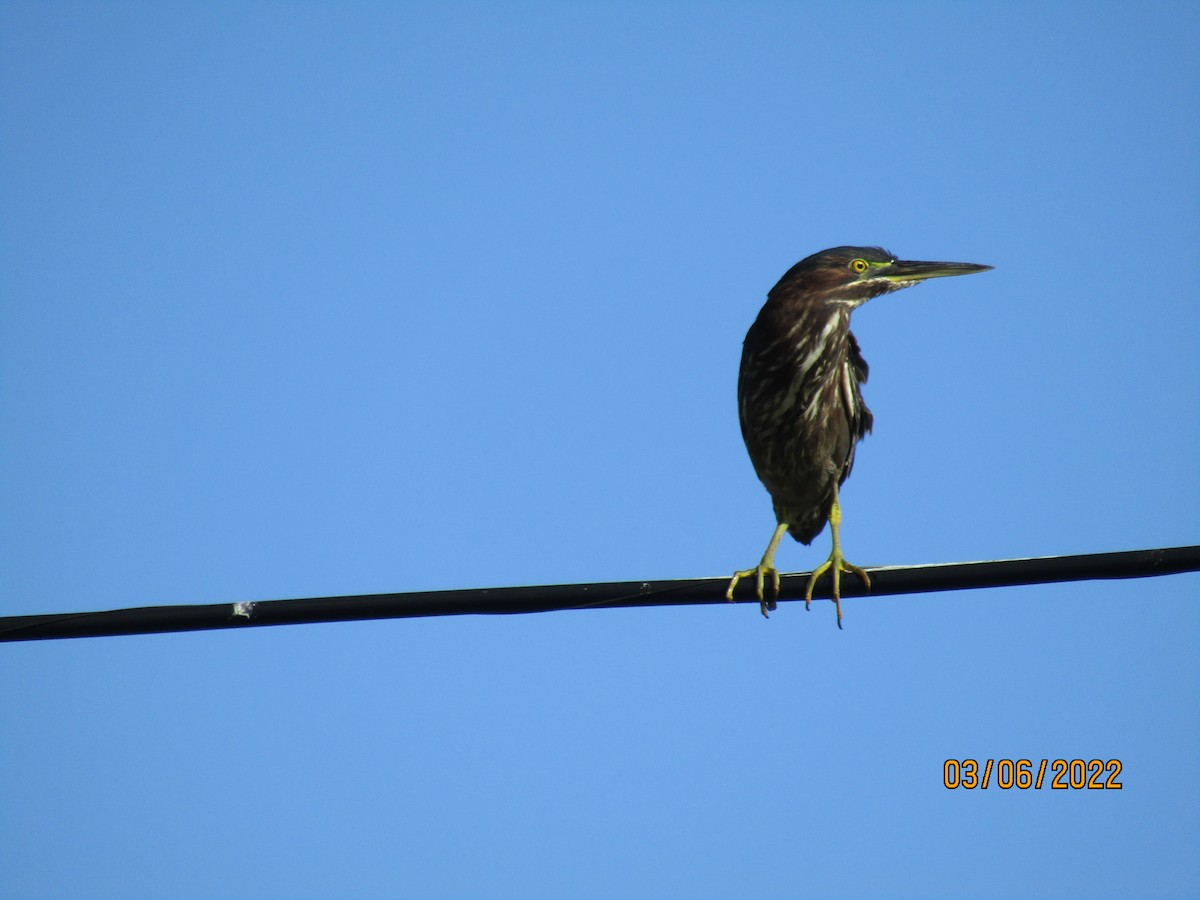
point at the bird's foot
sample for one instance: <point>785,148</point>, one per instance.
<point>760,572</point>
<point>835,565</point>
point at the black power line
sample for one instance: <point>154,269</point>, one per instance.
<point>885,581</point>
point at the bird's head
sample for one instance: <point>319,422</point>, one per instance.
<point>853,275</point>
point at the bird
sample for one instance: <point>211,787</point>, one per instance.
<point>800,400</point>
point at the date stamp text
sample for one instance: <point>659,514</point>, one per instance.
<point>1024,774</point>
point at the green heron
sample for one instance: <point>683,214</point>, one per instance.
<point>800,400</point>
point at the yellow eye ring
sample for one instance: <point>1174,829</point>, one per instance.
<point>858,265</point>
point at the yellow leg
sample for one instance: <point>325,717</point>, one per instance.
<point>766,567</point>
<point>836,563</point>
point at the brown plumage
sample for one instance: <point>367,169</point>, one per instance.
<point>800,393</point>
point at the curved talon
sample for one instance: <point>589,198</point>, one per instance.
<point>759,572</point>
<point>767,565</point>
<point>835,565</point>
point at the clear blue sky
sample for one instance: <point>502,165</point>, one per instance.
<point>311,299</point>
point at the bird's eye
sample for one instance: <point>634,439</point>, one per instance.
<point>858,265</point>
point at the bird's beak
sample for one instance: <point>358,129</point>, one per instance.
<point>903,270</point>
